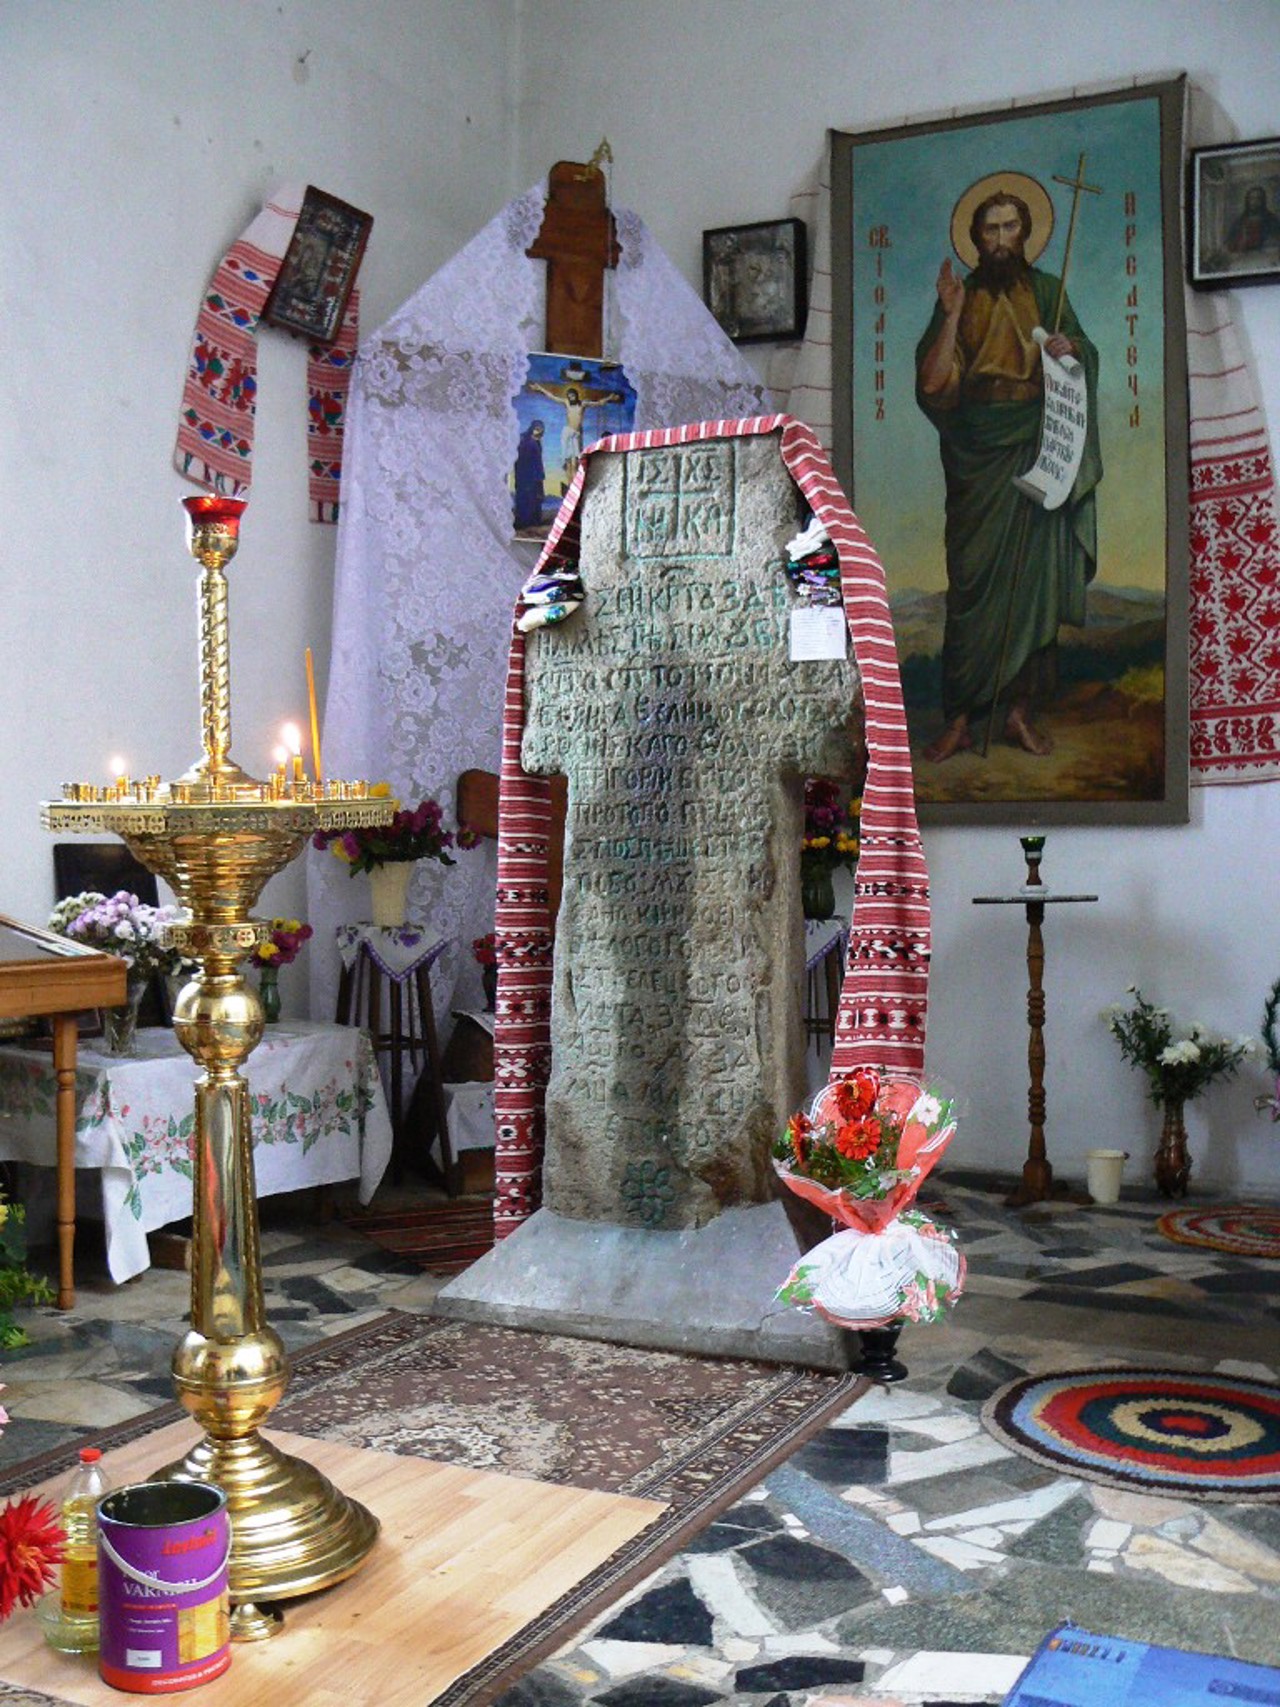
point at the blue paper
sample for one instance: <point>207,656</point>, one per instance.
<point>1075,1668</point>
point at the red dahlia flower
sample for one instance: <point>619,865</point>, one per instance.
<point>30,1546</point>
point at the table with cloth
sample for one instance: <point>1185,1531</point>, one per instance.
<point>319,1116</point>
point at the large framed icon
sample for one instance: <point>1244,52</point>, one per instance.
<point>1009,370</point>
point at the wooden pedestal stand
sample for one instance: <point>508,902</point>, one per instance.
<point>1037,1171</point>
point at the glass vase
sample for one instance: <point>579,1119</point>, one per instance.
<point>818,892</point>
<point>269,993</point>
<point>120,1025</point>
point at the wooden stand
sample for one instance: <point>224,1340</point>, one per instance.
<point>1037,1171</point>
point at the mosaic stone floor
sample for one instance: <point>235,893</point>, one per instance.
<point>902,1555</point>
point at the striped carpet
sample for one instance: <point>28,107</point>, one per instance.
<point>441,1237</point>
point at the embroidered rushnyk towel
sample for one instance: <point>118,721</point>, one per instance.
<point>1235,561</point>
<point>219,395</point>
<point>881,1018</point>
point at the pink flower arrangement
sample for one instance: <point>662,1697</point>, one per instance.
<point>416,834</point>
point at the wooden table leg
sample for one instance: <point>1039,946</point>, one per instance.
<point>64,1068</point>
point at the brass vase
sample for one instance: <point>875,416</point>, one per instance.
<point>1173,1160</point>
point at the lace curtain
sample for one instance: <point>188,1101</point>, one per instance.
<point>427,570</point>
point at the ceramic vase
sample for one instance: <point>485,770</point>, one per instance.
<point>389,885</point>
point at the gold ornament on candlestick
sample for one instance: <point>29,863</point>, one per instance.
<point>216,834</point>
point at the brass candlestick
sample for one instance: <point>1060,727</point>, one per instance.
<point>216,835</point>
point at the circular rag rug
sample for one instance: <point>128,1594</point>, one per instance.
<point>1250,1230</point>
<point>1203,1437</point>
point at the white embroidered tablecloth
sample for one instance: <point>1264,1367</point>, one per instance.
<point>319,1116</point>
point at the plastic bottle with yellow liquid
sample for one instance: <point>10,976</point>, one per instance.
<point>71,1621</point>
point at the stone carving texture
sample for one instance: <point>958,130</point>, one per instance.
<point>670,702</point>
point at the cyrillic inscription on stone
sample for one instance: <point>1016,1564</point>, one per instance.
<point>680,503</point>
<point>670,702</point>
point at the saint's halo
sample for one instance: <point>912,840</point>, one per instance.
<point>1017,184</point>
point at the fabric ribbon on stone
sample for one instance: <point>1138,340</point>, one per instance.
<point>883,1003</point>
<point>219,396</point>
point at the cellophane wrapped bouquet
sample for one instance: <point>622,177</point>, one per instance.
<point>860,1152</point>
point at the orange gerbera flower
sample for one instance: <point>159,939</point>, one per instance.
<point>30,1546</point>
<point>798,1131</point>
<point>858,1139</point>
<point>856,1096</point>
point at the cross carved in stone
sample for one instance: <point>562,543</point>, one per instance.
<point>670,702</point>
<point>578,241</point>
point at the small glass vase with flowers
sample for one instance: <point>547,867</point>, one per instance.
<point>123,925</point>
<point>860,1152</point>
<point>830,842</point>
<point>281,948</point>
<point>388,853</point>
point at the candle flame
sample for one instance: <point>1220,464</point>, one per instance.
<point>280,755</point>
<point>291,735</point>
<point>117,766</point>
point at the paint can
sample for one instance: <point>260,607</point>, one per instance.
<point>163,1601</point>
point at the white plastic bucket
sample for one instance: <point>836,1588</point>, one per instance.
<point>1105,1169</point>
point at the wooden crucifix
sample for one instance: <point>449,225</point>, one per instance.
<point>578,241</point>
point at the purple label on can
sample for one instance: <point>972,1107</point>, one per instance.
<point>164,1610</point>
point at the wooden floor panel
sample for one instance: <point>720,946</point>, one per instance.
<point>465,1559</point>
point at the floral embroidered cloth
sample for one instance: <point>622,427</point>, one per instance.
<point>319,1115</point>
<point>397,950</point>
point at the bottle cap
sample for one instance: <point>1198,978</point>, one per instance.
<point>89,1454</point>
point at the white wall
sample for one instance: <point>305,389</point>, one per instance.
<point>716,110</point>
<point>139,139</point>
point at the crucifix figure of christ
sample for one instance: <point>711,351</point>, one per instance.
<point>671,703</point>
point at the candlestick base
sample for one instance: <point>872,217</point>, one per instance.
<point>294,1531</point>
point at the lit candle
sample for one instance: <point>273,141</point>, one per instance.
<point>120,774</point>
<point>292,738</point>
<point>316,766</point>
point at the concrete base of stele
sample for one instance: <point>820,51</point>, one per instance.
<point>707,1290</point>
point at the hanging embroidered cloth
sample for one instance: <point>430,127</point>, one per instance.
<point>219,396</point>
<point>881,1019</point>
<point>1235,560</point>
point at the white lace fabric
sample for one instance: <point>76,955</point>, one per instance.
<point>427,569</point>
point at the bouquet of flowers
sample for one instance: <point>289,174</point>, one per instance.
<point>830,827</point>
<point>1178,1067</point>
<point>416,834</point>
<point>121,924</point>
<point>485,949</point>
<point>31,1541</point>
<point>284,944</point>
<point>860,1153</point>
<point>17,1284</point>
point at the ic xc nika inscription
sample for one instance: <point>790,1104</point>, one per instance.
<point>680,503</point>
<point>671,703</point>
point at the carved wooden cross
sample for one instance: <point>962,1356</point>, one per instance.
<point>578,241</point>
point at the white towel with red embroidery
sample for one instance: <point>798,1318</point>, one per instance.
<point>881,1019</point>
<point>219,396</point>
